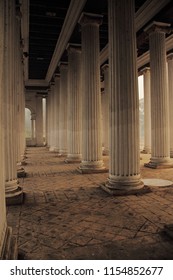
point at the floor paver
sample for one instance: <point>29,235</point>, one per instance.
<point>66,215</point>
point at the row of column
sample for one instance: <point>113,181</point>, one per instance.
<point>158,100</point>
<point>122,132</point>
<point>81,110</point>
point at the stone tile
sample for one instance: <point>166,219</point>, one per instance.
<point>66,215</point>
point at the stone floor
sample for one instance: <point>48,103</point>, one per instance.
<point>66,215</point>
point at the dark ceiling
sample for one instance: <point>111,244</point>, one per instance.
<point>46,21</point>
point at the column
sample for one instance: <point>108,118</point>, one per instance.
<point>48,118</point>
<point>74,110</point>
<point>91,98</point>
<point>52,117</point>
<point>8,248</point>
<point>170,88</point>
<point>124,170</point>
<point>13,191</point>
<point>39,121</point>
<point>63,109</point>
<point>147,111</point>
<point>33,117</point>
<point>160,141</point>
<point>56,111</point>
<point>105,110</point>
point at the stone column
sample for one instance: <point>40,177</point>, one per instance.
<point>124,173</point>
<point>33,117</point>
<point>14,194</point>
<point>56,111</point>
<point>48,118</point>
<point>160,141</point>
<point>170,87</point>
<point>91,98</point>
<point>147,111</point>
<point>63,109</point>
<point>105,110</point>
<point>74,112</point>
<point>8,248</point>
<point>52,117</point>
<point>39,121</point>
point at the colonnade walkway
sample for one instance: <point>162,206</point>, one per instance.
<point>66,215</point>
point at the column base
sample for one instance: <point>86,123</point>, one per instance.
<point>122,189</point>
<point>171,154</point>
<point>159,163</point>
<point>88,167</point>
<point>144,151</point>
<point>105,152</point>
<point>76,158</point>
<point>62,153</point>
<point>9,250</point>
<point>21,173</point>
<point>13,193</point>
<point>53,149</point>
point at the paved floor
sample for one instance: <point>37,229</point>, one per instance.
<point>66,215</point>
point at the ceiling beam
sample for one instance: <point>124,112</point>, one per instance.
<point>147,11</point>
<point>145,58</point>
<point>72,16</point>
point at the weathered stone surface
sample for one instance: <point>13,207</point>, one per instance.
<point>65,214</point>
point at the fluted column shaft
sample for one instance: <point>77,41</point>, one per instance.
<point>91,97</point>
<point>170,86</point>
<point>105,110</point>
<point>52,118</point>
<point>147,111</point>
<point>160,142</point>
<point>3,224</point>
<point>56,111</point>
<point>33,127</point>
<point>13,191</point>
<point>74,112</point>
<point>48,119</point>
<point>124,170</point>
<point>39,121</point>
<point>63,109</point>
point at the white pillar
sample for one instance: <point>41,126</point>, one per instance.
<point>124,171</point>
<point>48,119</point>
<point>52,118</point>
<point>160,142</point>
<point>170,87</point>
<point>39,121</point>
<point>105,110</point>
<point>63,109</point>
<point>147,111</point>
<point>74,112</point>
<point>14,194</point>
<point>91,97</point>
<point>8,248</point>
<point>56,112</point>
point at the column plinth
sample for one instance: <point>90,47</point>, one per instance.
<point>124,166</point>
<point>160,137</point>
<point>91,98</point>
<point>13,193</point>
